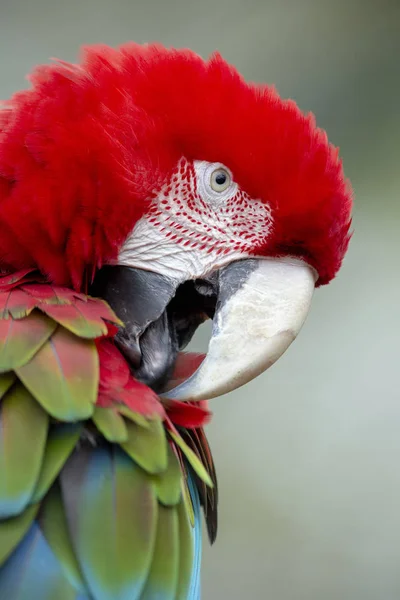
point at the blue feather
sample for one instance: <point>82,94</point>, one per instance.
<point>195,582</point>
<point>111,512</point>
<point>32,572</point>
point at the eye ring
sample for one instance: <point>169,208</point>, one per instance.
<point>220,180</point>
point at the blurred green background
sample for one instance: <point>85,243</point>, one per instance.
<point>308,454</point>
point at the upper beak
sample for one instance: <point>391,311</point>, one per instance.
<point>262,305</point>
<point>259,307</point>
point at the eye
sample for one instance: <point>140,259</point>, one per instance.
<point>220,180</point>
<point>215,182</point>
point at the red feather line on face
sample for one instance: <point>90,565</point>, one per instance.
<point>82,152</point>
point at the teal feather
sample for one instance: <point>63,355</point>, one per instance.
<point>32,572</point>
<point>195,582</point>
<point>93,541</point>
<point>13,531</point>
<point>53,523</point>
<point>111,512</point>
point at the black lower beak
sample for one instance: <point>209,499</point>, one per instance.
<point>159,316</point>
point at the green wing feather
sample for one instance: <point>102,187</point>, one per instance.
<point>112,515</point>
<point>20,339</point>
<point>147,446</point>
<point>54,526</point>
<point>63,380</point>
<point>61,441</point>
<point>6,381</point>
<point>99,491</point>
<point>21,453</point>
<point>168,483</point>
<point>85,318</point>
<point>162,579</point>
<point>12,530</point>
<point>111,424</point>
<point>191,457</point>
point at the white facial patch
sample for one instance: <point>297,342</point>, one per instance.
<point>199,221</point>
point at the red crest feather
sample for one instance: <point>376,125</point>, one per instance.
<point>82,152</point>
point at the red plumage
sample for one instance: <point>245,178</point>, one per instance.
<point>118,388</point>
<point>84,150</point>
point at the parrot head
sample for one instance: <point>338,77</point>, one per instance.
<point>176,191</point>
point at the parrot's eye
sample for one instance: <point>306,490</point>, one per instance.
<point>220,180</point>
<point>215,181</point>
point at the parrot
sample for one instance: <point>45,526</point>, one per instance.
<point>143,191</point>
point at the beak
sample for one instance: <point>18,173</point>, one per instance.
<point>262,305</point>
<point>139,299</point>
<point>160,317</point>
<point>258,307</point>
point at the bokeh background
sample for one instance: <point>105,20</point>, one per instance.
<point>308,454</point>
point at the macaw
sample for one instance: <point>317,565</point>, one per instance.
<point>142,191</point>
